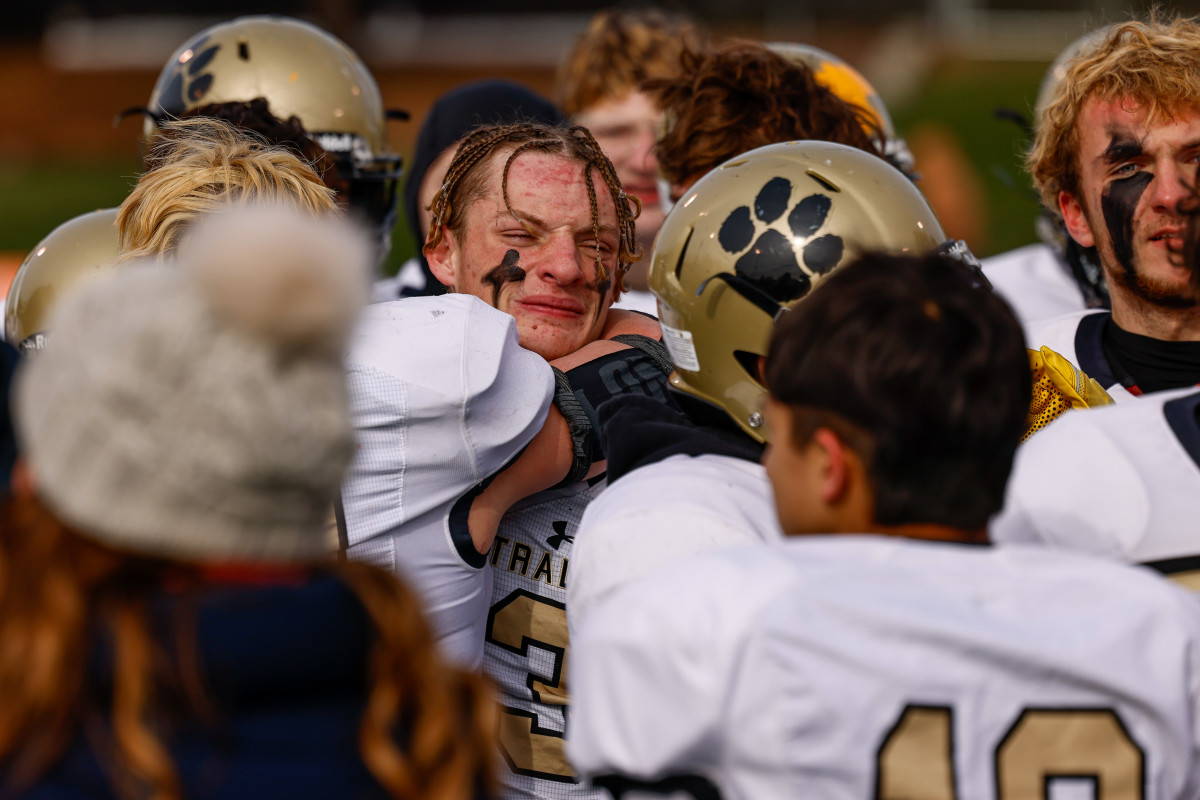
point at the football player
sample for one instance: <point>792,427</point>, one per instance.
<point>301,72</point>
<point>900,656</point>
<point>1115,153</point>
<point>532,221</point>
<point>1056,276</point>
<point>1119,482</point>
<point>755,235</point>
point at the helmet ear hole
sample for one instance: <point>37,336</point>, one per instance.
<point>821,180</point>
<point>752,363</point>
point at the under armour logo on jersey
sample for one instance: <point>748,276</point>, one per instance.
<point>779,250</point>
<point>190,82</point>
<point>560,534</point>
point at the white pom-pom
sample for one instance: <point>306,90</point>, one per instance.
<point>280,273</point>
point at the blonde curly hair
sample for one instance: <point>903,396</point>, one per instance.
<point>201,164</point>
<point>1153,64</point>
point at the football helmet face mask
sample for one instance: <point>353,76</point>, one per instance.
<point>849,84</point>
<point>70,253</point>
<point>752,237</point>
<point>301,71</point>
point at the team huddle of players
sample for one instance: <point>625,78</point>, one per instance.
<point>761,542</point>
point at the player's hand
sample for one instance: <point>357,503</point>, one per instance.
<point>1058,386</point>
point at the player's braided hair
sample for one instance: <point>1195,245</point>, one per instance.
<point>465,182</point>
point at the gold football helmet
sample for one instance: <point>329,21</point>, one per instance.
<point>753,237</point>
<point>849,84</point>
<point>301,71</point>
<point>70,253</point>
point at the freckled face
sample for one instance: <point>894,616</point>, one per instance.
<point>558,305</point>
<point>1133,173</point>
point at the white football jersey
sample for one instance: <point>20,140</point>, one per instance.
<point>442,397</point>
<point>527,642</point>
<point>855,667</point>
<point>1076,337</point>
<point>1120,481</point>
<point>663,512</point>
<point>1035,282</point>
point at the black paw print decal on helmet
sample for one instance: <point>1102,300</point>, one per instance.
<point>190,82</point>
<point>772,260</point>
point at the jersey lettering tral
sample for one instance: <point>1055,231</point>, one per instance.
<point>1122,482</point>
<point>855,667</point>
<point>527,643</point>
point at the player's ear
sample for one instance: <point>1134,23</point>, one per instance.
<point>836,466</point>
<point>1075,220</point>
<point>443,258</point>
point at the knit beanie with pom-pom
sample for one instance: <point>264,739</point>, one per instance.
<point>197,409</point>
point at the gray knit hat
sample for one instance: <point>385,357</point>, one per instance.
<point>197,410</point>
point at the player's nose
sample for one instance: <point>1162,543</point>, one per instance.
<point>643,158</point>
<point>1170,186</point>
<point>562,261</point>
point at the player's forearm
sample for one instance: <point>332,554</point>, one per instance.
<point>544,463</point>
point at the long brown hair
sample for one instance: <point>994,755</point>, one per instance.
<point>60,593</point>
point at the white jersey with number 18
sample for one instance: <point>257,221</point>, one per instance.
<point>857,667</point>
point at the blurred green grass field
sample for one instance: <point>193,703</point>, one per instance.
<point>964,96</point>
<point>961,97</point>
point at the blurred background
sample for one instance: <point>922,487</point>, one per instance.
<point>956,75</point>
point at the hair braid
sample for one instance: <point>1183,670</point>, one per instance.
<point>472,148</point>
